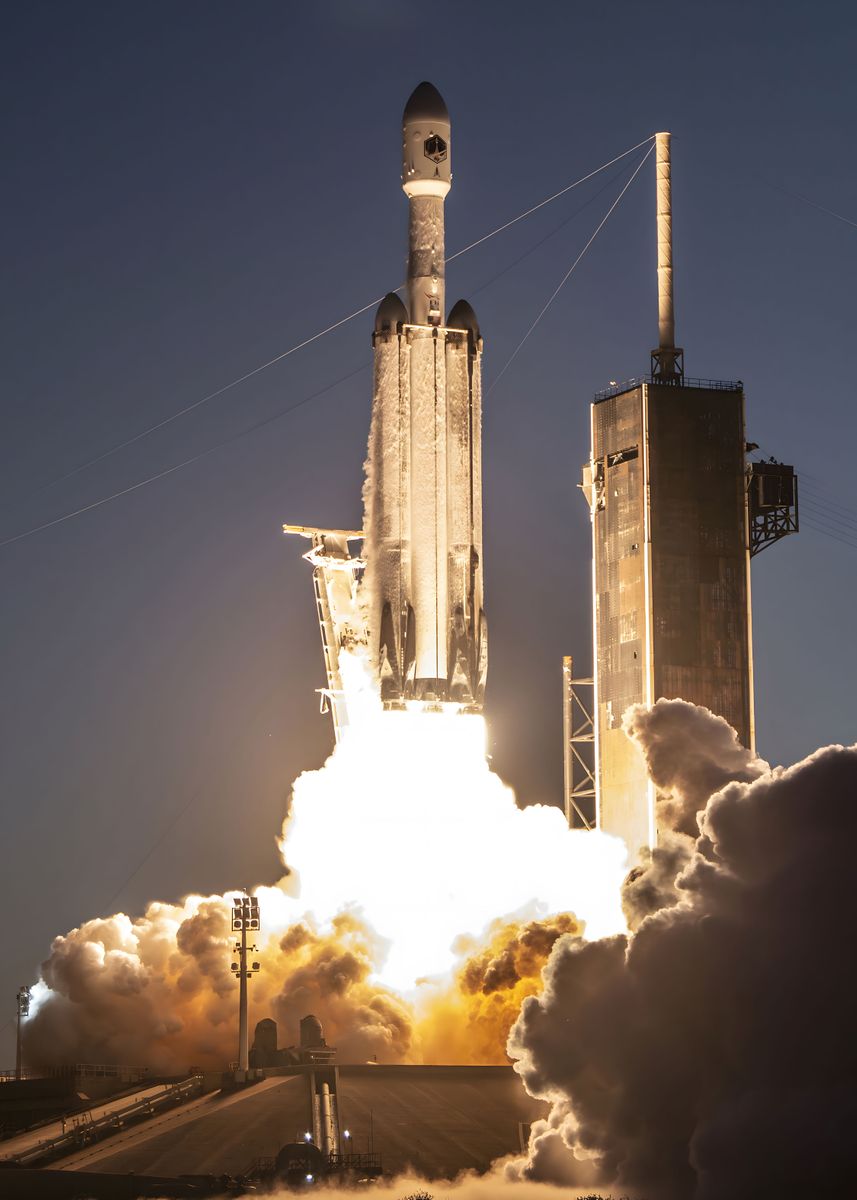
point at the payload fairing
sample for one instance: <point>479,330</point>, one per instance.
<point>421,592</point>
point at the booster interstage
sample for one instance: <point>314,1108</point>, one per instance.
<point>411,605</point>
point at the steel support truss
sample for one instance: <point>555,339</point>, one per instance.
<point>772,504</point>
<point>578,748</point>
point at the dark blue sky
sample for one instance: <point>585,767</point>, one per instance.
<point>190,190</point>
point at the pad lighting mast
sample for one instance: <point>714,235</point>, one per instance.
<point>245,916</point>
<point>23,1011</point>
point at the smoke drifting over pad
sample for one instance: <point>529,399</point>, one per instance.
<point>709,1055</point>
<point>403,851</point>
<point>701,1056</point>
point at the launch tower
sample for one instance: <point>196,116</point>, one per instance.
<point>676,513</point>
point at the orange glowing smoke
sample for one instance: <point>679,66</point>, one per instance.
<point>419,908</point>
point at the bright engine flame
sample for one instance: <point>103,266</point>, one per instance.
<point>407,823</point>
<point>419,907</point>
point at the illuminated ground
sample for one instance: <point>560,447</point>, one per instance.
<point>439,1120</point>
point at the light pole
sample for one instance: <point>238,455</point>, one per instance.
<point>245,916</point>
<point>23,1011</point>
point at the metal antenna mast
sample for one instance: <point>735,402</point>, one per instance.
<point>668,359</point>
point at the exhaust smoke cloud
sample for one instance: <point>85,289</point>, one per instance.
<point>704,1054</point>
<point>709,1053</point>
<point>418,908</point>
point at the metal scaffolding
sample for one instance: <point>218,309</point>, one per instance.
<point>772,504</point>
<point>580,799</point>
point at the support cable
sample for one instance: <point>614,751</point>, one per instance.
<point>547,237</point>
<point>330,328</point>
<point>823,497</point>
<point>822,513</point>
<point>555,196</point>
<point>812,203</point>
<point>827,533</point>
<point>820,519</point>
<point>141,483</point>
<point>251,429</point>
<point>569,272</point>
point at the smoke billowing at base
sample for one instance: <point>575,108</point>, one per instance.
<point>707,1054</point>
<point>420,906</point>
<point>702,1054</point>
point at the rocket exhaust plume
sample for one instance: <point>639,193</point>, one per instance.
<point>419,908</point>
<point>418,831</point>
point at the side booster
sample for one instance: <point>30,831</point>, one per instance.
<point>423,585</point>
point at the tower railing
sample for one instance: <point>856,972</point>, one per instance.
<point>685,381</point>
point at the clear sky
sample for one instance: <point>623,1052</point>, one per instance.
<point>193,188</point>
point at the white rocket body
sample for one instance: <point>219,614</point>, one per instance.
<point>423,588</point>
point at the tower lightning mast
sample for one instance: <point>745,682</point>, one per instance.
<point>667,360</point>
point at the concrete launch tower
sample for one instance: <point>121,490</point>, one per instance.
<point>676,514</point>
<point>410,605</point>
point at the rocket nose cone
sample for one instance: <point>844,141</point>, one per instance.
<point>391,314</point>
<point>462,316</point>
<point>425,104</point>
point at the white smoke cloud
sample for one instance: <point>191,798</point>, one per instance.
<point>709,1054</point>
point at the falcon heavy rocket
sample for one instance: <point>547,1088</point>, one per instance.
<point>411,603</point>
<point>423,494</point>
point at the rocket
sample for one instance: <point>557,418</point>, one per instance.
<point>422,590</point>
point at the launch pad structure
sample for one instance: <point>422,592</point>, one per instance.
<point>677,512</point>
<point>336,575</point>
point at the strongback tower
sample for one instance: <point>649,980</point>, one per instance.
<point>671,507</point>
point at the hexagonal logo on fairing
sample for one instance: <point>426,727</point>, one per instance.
<point>435,148</point>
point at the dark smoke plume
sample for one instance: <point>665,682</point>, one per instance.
<point>711,1053</point>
